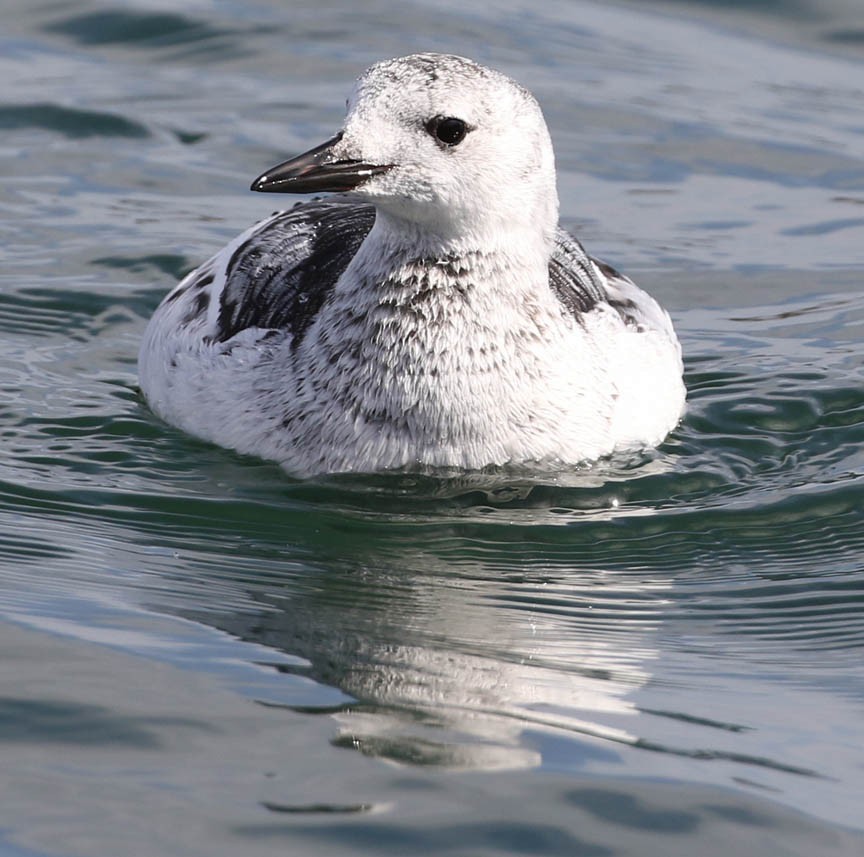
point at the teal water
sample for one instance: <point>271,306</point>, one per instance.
<point>660,656</point>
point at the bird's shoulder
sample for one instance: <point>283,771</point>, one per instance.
<point>574,276</point>
<point>281,274</point>
<point>582,283</point>
<point>276,275</point>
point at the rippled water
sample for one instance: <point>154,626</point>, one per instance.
<point>656,656</point>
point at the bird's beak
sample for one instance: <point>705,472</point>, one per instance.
<point>317,170</point>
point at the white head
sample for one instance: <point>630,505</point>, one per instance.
<point>443,145</point>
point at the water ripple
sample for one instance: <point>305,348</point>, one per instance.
<point>133,28</point>
<point>74,123</point>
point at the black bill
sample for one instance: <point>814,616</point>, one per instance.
<point>317,171</point>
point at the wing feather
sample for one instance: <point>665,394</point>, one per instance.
<point>281,276</point>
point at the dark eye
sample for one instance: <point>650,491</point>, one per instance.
<point>447,129</point>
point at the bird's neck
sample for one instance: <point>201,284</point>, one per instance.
<point>423,308</point>
<point>407,256</point>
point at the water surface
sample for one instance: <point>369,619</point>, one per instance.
<point>656,656</point>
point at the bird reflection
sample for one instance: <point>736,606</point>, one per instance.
<point>457,653</point>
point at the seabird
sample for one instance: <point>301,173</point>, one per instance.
<point>431,314</point>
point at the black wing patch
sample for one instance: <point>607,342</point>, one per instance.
<point>281,277</point>
<point>573,278</point>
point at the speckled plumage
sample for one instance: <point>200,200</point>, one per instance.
<point>432,316</point>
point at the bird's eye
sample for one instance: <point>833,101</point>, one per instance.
<point>447,129</point>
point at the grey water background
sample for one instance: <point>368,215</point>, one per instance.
<point>661,656</point>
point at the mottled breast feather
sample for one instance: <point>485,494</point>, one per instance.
<point>282,275</point>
